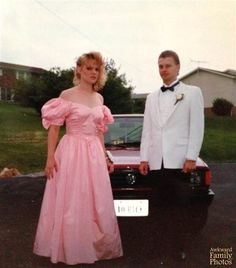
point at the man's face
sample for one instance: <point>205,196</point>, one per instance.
<point>168,69</point>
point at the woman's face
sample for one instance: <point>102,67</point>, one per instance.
<point>89,71</point>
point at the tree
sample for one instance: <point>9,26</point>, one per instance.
<point>28,91</point>
<point>139,106</point>
<point>34,92</point>
<point>222,107</point>
<point>117,92</point>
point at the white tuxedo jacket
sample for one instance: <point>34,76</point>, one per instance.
<point>180,137</point>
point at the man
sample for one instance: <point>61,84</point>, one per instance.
<point>172,135</point>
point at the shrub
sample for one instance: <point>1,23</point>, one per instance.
<point>222,107</point>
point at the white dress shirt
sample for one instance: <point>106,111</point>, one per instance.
<point>166,102</point>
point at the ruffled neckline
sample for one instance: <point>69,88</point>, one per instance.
<point>81,104</point>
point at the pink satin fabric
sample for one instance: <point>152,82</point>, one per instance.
<point>77,223</point>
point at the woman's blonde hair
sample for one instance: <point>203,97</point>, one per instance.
<point>101,64</point>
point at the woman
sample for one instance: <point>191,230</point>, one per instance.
<point>77,222</point>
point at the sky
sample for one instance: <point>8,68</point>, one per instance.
<point>54,33</point>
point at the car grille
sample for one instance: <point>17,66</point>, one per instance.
<point>128,178</point>
<point>131,178</point>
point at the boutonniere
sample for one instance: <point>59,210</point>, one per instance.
<point>179,98</point>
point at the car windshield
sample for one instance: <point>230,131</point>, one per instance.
<point>124,131</point>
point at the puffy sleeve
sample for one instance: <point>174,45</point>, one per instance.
<point>54,112</point>
<point>107,119</point>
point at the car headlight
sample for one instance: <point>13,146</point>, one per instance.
<point>131,179</point>
<point>195,178</point>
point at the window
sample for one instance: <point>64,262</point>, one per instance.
<point>21,75</point>
<point>1,72</point>
<point>125,130</point>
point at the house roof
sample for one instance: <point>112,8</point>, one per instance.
<point>230,71</point>
<point>136,96</point>
<point>227,73</point>
<point>18,67</point>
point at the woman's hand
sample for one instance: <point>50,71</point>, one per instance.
<point>110,166</point>
<point>51,166</point>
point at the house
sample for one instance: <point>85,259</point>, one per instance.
<point>214,84</point>
<point>10,73</point>
<point>139,102</point>
<point>137,96</point>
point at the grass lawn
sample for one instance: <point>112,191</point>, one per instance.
<point>23,139</point>
<point>219,140</point>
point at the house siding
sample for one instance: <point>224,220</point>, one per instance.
<point>9,75</point>
<point>214,84</point>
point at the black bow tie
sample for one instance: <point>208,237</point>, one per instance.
<point>163,88</point>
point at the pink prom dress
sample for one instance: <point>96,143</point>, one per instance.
<point>77,222</point>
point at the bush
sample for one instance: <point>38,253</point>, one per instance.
<point>222,107</point>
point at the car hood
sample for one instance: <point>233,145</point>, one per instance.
<point>124,157</point>
<point>132,157</point>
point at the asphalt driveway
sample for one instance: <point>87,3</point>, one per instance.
<point>20,200</point>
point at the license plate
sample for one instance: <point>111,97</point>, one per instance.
<point>131,208</point>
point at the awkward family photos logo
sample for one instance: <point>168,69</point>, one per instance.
<point>221,256</point>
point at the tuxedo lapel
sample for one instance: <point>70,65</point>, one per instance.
<point>156,108</point>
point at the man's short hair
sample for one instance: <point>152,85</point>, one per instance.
<point>170,53</point>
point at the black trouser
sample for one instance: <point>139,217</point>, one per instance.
<point>171,186</point>
<point>171,199</point>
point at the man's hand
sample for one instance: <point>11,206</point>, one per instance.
<point>143,168</point>
<point>189,165</point>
